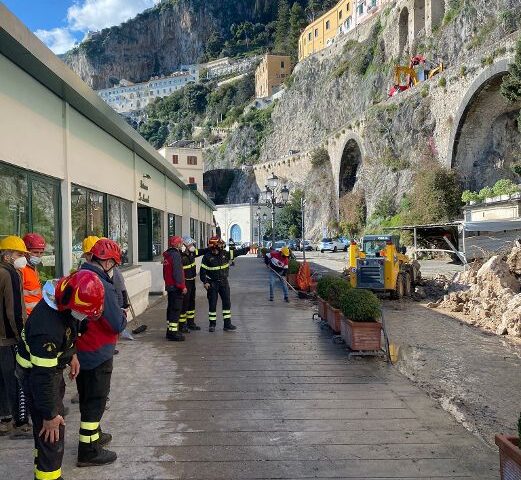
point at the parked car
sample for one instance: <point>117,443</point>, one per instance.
<point>329,244</point>
<point>277,245</point>
<point>306,244</point>
<point>345,242</point>
<point>293,244</point>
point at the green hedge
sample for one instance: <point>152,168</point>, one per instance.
<point>360,305</point>
<point>323,286</point>
<point>331,289</point>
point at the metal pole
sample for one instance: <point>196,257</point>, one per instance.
<point>415,245</point>
<point>273,223</point>
<point>303,204</point>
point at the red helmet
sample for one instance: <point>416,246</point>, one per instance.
<point>214,242</point>
<point>34,241</point>
<point>174,241</point>
<point>81,291</point>
<point>106,249</point>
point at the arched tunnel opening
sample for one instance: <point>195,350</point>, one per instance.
<point>487,140</point>
<point>351,159</point>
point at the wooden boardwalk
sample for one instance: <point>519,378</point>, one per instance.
<point>277,399</point>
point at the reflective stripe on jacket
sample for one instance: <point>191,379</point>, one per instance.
<point>32,288</point>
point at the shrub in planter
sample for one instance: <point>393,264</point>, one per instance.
<point>293,268</point>
<point>323,294</point>
<point>510,454</point>
<point>361,329</point>
<point>336,289</point>
<point>264,251</point>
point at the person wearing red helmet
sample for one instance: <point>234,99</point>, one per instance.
<point>46,347</point>
<point>175,285</point>
<point>214,271</point>
<point>35,244</point>
<point>95,348</point>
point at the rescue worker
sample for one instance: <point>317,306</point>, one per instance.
<point>95,349</point>
<point>12,319</point>
<point>87,244</point>
<point>45,349</point>
<point>188,254</point>
<point>215,268</point>
<point>231,249</point>
<point>174,277</point>
<point>32,286</point>
<point>278,263</point>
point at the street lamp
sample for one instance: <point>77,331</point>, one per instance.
<point>274,197</point>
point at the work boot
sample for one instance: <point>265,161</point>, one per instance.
<point>6,427</point>
<point>22,432</point>
<point>175,336</point>
<point>184,328</point>
<point>286,299</point>
<point>271,299</point>
<point>228,326</point>
<point>90,456</point>
<point>104,439</point>
<point>192,325</point>
<point>211,328</point>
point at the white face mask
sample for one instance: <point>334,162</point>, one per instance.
<point>20,263</point>
<point>35,260</point>
<point>78,315</point>
<point>183,248</point>
<point>192,248</point>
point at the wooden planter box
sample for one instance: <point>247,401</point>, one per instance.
<point>333,318</point>
<point>509,457</point>
<point>322,308</point>
<point>361,336</point>
<point>292,279</point>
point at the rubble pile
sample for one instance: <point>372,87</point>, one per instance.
<point>489,294</point>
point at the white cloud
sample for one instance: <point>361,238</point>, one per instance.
<point>59,40</point>
<point>93,15</point>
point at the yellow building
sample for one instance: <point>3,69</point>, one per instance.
<point>271,73</point>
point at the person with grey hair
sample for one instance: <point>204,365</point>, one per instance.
<point>13,314</point>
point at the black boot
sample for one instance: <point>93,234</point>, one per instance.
<point>91,455</point>
<point>104,438</point>
<point>192,325</point>
<point>184,328</point>
<point>228,326</point>
<point>175,336</point>
<point>211,328</point>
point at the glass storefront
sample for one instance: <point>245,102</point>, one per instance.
<point>30,202</point>
<point>157,234</point>
<point>102,215</point>
<point>174,225</point>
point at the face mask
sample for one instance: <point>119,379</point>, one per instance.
<point>183,248</point>
<point>192,248</point>
<point>78,315</point>
<point>35,260</point>
<point>20,263</point>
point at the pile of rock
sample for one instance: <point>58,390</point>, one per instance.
<point>490,294</point>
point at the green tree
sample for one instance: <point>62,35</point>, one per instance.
<point>282,29</point>
<point>314,6</point>
<point>297,21</point>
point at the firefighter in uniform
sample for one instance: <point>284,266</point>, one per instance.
<point>32,286</point>
<point>174,277</point>
<point>215,268</point>
<point>95,349</point>
<point>189,253</point>
<point>232,248</point>
<point>45,348</point>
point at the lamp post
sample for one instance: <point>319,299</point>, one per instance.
<point>274,197</point>
<point>302,209</point>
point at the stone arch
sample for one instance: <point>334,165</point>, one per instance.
<point>349,163</point>
<point>419,17</point>
<point>403,29</point>
<point>435,12</point>
<point>485,135</point>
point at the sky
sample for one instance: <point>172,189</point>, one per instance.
<point>60,24</point>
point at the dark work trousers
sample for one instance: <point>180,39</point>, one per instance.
<point>173,310</point>
<point>222,289</point>
<point>12,397</point>
<point>93,388</point>
<point>47,456</point>
<point>189,302</point>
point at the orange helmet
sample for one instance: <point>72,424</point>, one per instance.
<point>106,249</point>
<point>34,241</point>
<point>214,242</point>
<point>81,291</point>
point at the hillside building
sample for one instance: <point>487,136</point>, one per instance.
<point>226,66</point>
<point>237,222</point>
<point>70,167</point>
<point>127,96</point>
<point>271,74</point>
<point>186,156</point>
<point>342,18</point>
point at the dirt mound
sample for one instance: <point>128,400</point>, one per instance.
<point>489,294</point>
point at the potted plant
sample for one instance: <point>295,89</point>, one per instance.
<point>337,288</point>
<point>510,454</point>
<point>361,329</point>
<point>323,294</point>
<point>293,268</point>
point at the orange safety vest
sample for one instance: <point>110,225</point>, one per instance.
<point>32,288</point>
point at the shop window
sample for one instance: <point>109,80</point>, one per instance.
<point>119,226</point>
<point>30,202</point>
<point>157,234</point>
<point>193,228</point>
<point>174,224</point>
<point>175,159</point>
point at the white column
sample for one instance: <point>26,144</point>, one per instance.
<point>66,224</point>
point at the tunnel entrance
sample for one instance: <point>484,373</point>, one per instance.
<point>351,159</point>
<point>487,140</point>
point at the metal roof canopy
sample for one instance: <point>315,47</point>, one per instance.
<point>25,50</point>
